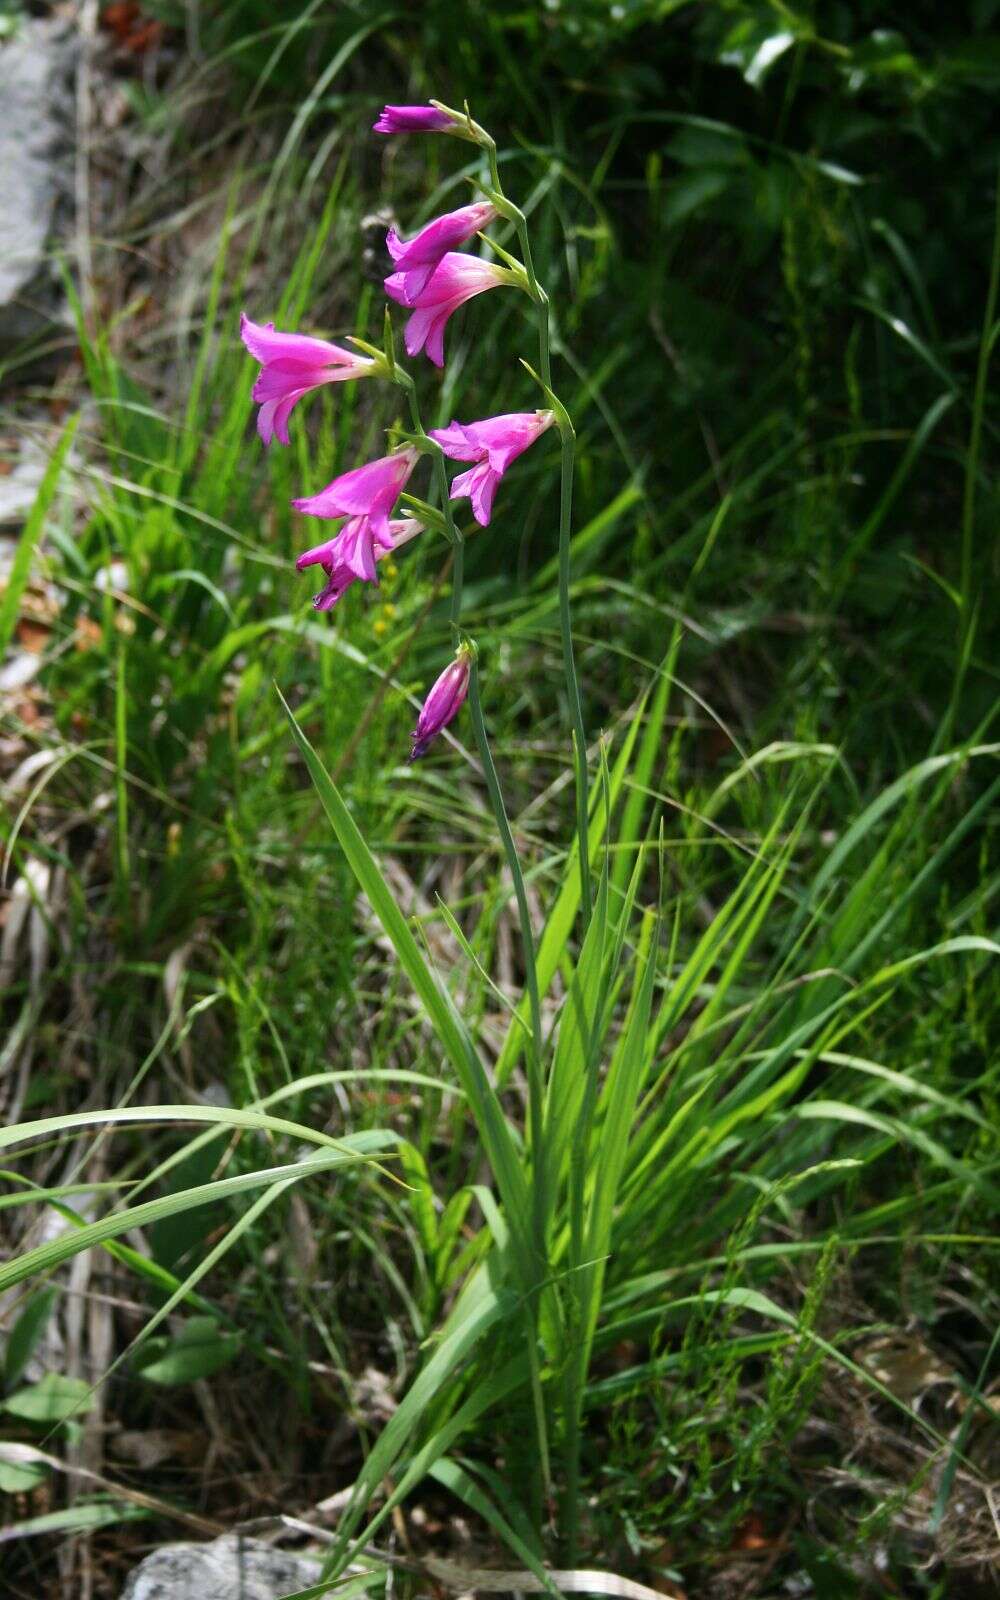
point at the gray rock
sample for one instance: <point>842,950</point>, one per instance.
<point>231,1568</point>
<point>20,487</point>
<point>35,173</point>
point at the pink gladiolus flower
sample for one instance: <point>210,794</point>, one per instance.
<point>443,703</point>
<point>417,259</point>
<point>412,119</point>
<point>366,495</point>
<point>291,365</point>
<point>457,279</point>
<point>492,444</point>
<point>335,557</point>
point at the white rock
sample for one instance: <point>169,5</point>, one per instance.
<point>19,488</point>
<point>230,1568</point>
<point>34,171</point>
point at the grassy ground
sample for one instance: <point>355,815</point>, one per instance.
<point>769,241</point>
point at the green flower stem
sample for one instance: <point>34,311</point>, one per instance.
<point>458,550</point>
<point>515,215</point>
<point>567,434</point>
<point>568,437</point>
<point>969,599</point>
<point>535,1087</point>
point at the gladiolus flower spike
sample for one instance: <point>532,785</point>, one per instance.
<point>444,702</point>
<point>456,279</point>
<point>413,119</point>
<point>417,259</point>
<point>492,444</point>
<point>291,365</point>
<point>366,495</point>
<point>333,556</point>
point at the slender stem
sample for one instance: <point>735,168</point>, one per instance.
<point>535,1090</point>
<point>570,1512</point>
<point>535,289</point>
<point>569,664</point>
<point>535,1077</point>
<point>458,552</point>
<point>969,600</point>
<point>565,524</point>
<point>455,535</point>
<point>541,300</point>
<point>568,436</point>
<point>978,408</point>
<point>580,1342</point>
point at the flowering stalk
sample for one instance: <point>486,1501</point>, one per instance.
<point>573,1386</point>
<point>433,277</point>
<point>535,1083</point>
<point>567,434</point>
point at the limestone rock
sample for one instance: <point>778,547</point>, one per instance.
<point>19,488</point>
<point>36,172</point>
<point>230,1568</point>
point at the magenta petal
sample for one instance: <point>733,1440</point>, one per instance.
<point>443,703</point>
<point>265,421</point>
<point>319,505</point>
<point>337,583</point>
<point>480,484</point>
<point>395,288</point>
<point>434,346</point>
<point>454,441</point>
<point>283,411</point>
<point>267,344</point>
<point>416,279</point>
<point>417,330</point>
<point>356,550</point>
<point>291,365</point>
<point>324,554</point>
<point>364,491</point>
<point>419,258</point>
<point>457,279</point>
<point>411,119</point>
<point>272,418</point>
<point>492,444</point>
<point>280,378</point>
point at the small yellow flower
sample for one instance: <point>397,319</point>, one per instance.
<point>379,628</point>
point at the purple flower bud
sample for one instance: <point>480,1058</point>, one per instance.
<point>412,119</point>
<point>444,702</point>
